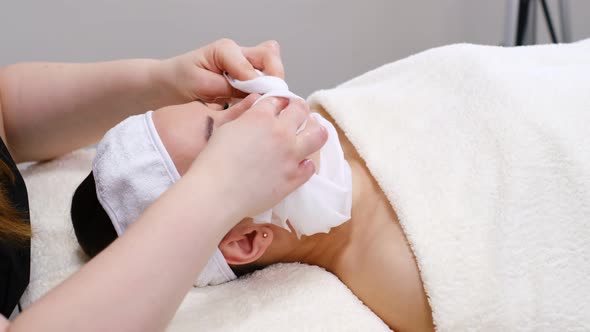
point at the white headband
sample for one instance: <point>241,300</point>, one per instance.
<point>131,170</point>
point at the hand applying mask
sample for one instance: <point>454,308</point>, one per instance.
<point>198,75</point>
<point>323,202</point>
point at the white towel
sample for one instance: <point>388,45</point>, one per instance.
<point>266,86</point>
<point>484,153</point>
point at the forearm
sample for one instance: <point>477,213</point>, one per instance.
<point>137,283</point>
<point>52,108</point>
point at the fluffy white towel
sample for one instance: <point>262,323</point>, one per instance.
<point>484,153</point>
<point>498,215</point>
<point>286,297</point>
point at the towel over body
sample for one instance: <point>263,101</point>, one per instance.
<point>484,154</point>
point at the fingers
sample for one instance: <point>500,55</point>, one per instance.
<point>305,171</point>
<point>272,105</point>
<point>240,62</point>
<point>214,88</point>
<point>228,56</point>
<point>236,110</point>
<point>310,140</point>
<point>266,57</point>
<point>294,115</point>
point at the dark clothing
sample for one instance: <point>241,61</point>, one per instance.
<point>14,258</point>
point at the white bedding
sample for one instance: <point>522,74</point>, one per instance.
<point>487,165</point>
<point>286,297</point>
<point>484,153</point>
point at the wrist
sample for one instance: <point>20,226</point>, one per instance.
<point>218,192</point>
<point>171,80</point>
<point>163,85</point>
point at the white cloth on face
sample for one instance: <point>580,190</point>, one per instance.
<point>325,200</point>
<point>267,86</point>
<point>131,170</point>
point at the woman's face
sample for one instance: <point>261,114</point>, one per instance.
<point>186,129</point>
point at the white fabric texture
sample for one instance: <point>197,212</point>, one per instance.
<point>325,200</point>
<point>274,299</point>
<point>131,170</point>
<point>266,86</point>
<point>484,153</point>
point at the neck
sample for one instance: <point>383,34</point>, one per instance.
<point>333,250</point>
<point>371,255</point>
<point>337,250</point>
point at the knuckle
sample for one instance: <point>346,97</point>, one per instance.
<point>316,138</point>
<point>323,133</point>
<point>321,136</point>
<point>225,42</point>
<point>303,105</point>
<point>265,106</point>
<point>299,110</point>
<point>273,45</point>
<point>272,104</point>
<point>312,122</point>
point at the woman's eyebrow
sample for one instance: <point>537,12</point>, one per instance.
<point>209,128</point>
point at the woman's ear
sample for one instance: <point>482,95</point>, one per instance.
<point>245,243</point>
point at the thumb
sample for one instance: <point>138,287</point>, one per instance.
<point>214,88</point>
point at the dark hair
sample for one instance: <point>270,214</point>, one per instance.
<point>94,229</point>
<point>92,225</point>
<point>244,269</point>
<point>12,224</point>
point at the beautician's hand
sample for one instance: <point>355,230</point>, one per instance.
<point>199,74</point>
<point>257,159</point>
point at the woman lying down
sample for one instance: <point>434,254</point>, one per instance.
<point>453,192</point>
